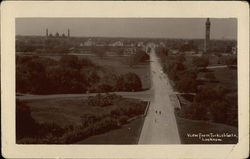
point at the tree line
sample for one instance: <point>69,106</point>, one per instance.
<point>211,103</point>
<point>41,75</point>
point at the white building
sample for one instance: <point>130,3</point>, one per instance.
<point>117,43</point>
<point>162,44</point>
<point>140,44</point>
<point>89,42</point>
<point>234,50</point>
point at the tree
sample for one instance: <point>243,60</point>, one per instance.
<point>141,56</point>
<point>210,76</point>
<point>200,62</point>
<point>129,82</point>
<point>187,85</point>
<point>70,61</point>
<point>218,110</point>
<point>180,58</point>
<point>25,124</point>
<point>231,61</point>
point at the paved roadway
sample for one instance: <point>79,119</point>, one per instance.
<point>143,95</point>
<point>219,66</point>
<point>160,125</point>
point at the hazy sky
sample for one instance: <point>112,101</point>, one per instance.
<point>129,27</point>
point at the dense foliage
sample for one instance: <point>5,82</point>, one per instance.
<point>41,75</point>
<point>211,103</point>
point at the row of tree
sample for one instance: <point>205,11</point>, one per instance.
<point>210,103</point>
<point>40,75</point>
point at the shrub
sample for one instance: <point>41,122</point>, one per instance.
<point>200,62</point>
<point>129,82</point>
<point>187,85</point>
<point>210,76</point>
<point>25,124</point>
<point>103,100</point>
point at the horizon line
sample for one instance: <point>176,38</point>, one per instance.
<point>223,38</point>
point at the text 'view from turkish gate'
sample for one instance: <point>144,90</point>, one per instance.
<point>126,81</point>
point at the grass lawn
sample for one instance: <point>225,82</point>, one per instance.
<point>114,64</point>
<point>225,76</point>
<point>186,126</point>
<point>64,111</point>
<point>127,134</point>
<point>213,60</point>
<point>68,111</point>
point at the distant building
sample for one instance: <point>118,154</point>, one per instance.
<point>100,44</point>
<point>57,35</point>
<point>162,44</point>
<point>140,44</point>
<point>89,42</point>
<point>81,44</point>
<point>117,43</point>
<point>234,50</point>
<point>207,38</point>
<point>174,51</point>
<point>47,33</point>
<point>129,51</point>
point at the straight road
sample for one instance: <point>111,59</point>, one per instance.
<point>219,66</point>
<point>143,95</point>
<point>160,125</point>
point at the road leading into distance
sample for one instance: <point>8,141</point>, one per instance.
<point>160,125</point>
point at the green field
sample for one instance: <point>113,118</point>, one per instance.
<point>69,112</point>
<point>225,76</point>
<point>114,64</point>
<point>64,111</point>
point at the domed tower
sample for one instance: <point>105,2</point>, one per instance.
<point>207,38</point>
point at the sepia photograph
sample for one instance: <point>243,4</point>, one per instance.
<point>126,81</point>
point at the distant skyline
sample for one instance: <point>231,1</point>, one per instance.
<point>186,28</point>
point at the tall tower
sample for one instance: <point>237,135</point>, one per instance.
<point>47,33</point>
<point>68,33</point>
<point>207,39</point>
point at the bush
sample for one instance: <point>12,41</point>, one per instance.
<point>129,82</point>
<point>194,111</point>
<point>103,100</point>
<point>25,124</point>
<point>92,124</point>
<point>187,85</point>
<point>210,76</point>
<point>200,62</point>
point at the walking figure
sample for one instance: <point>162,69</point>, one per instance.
<point>156,111</point>
<point>160,112</point>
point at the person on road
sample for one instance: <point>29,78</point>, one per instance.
<point>160,112</point>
